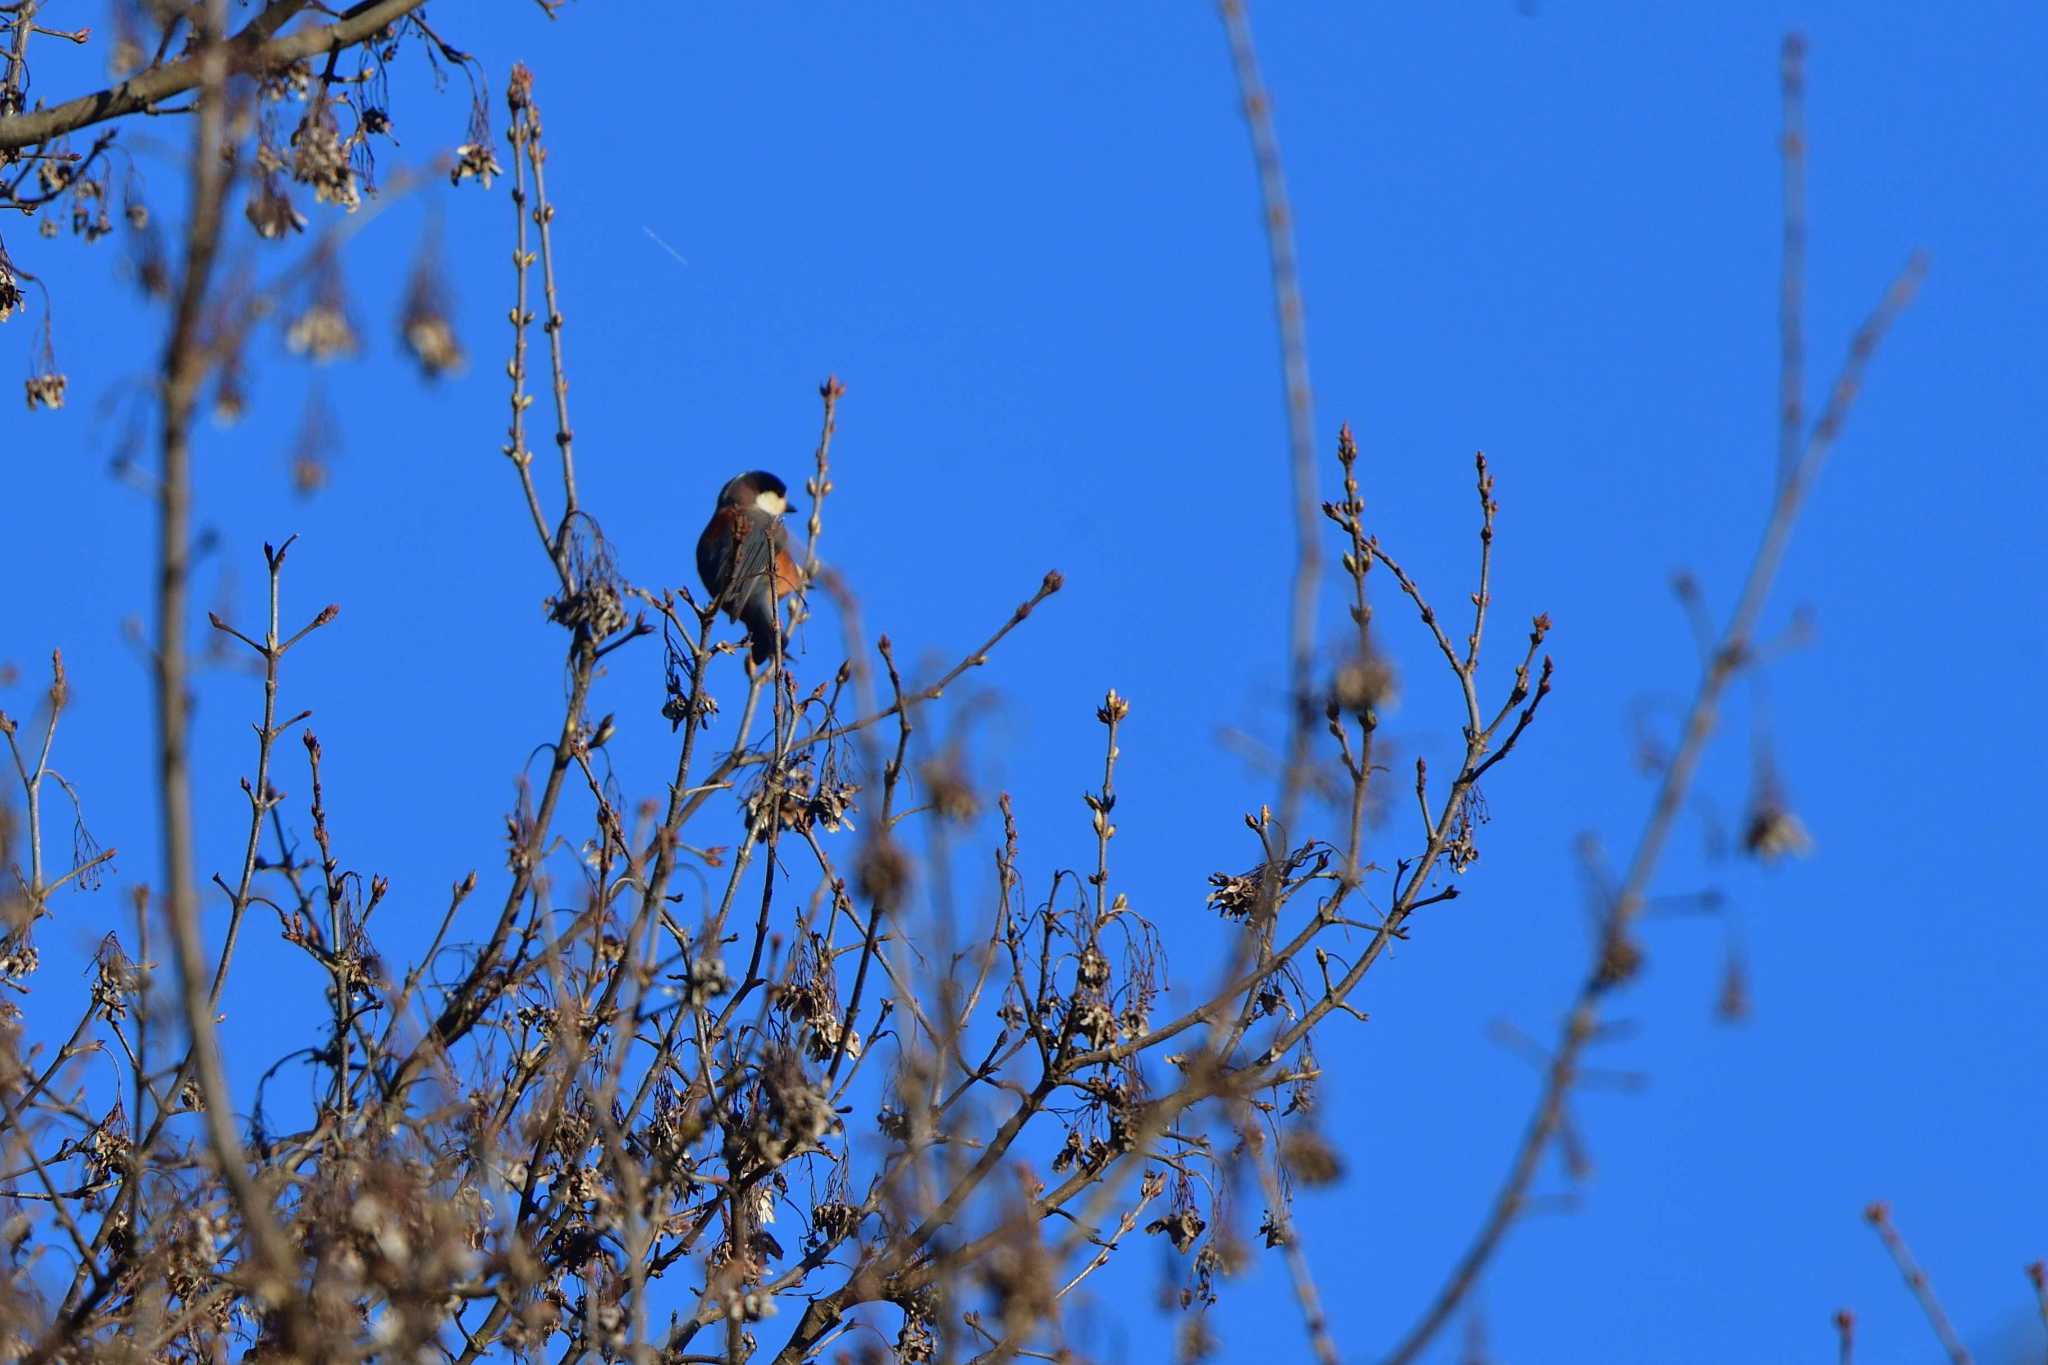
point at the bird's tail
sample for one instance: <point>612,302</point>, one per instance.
<point>764,626</point>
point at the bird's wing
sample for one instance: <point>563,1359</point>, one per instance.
<point>736,555</point>
<point>746,551</point>
<point>754,566</point>
<point>714,551</point>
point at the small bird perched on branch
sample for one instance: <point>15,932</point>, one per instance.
<point>743,557</point>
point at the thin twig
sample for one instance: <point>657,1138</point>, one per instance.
<point>1306,1296</point>
<point>1792,260</point>
<point>544,219</point>
<point>519,134</point>
<point>1879,1216</point>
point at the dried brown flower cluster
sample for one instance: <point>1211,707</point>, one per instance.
<point>322,158</point>
<point>46,390</point>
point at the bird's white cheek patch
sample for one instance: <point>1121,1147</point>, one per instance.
<point>774,504</point>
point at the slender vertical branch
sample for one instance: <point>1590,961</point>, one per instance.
<point>820,482</point>
<point>262,799</point>
<point>1482,597</point>
<point>1792,257</point>
<point>1102,803</point>
<point>544,218</point>
<point>1364,682</point>
<point>14,86</point>
<point>1291,318</point>
<point>518,97</point>
<point>337,928</point>
<point>32,778</point>
<point>185,365</point>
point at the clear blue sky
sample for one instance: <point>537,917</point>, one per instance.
<point>1027,238</point>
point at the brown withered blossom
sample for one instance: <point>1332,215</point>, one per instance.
<point>595,611</point>
<point>706,981</point>
<point>833,1221</point>
<point>832,804</point>
<point>1234,896</point>
<point>475,161</point>
<point>318,441</point>
<point>1772,831</point>
<point>230,389</point>
<point>594,608</point>
<point>152,267</point>
<point>882,873</point>
<point>46,390</point>
<point>1309,1158</point>
<point>53,174</point>
<point>271,212</point>
<point>431,339</point>
<point>89,216</point>
<point>1183,1227</point>
<point>321,158</point>
<point>290,80</point>
<point>1463,848</point>
<point>1365,684</point>
<point>425,327</point>
<point>116,980</point>
<point>952,796</point>
<point>322,332</point>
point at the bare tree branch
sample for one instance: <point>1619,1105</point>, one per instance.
<point>255,48</point>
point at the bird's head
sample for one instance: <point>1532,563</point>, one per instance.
<point>756,489</point>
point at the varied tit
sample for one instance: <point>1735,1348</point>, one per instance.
<point>743,557</point>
